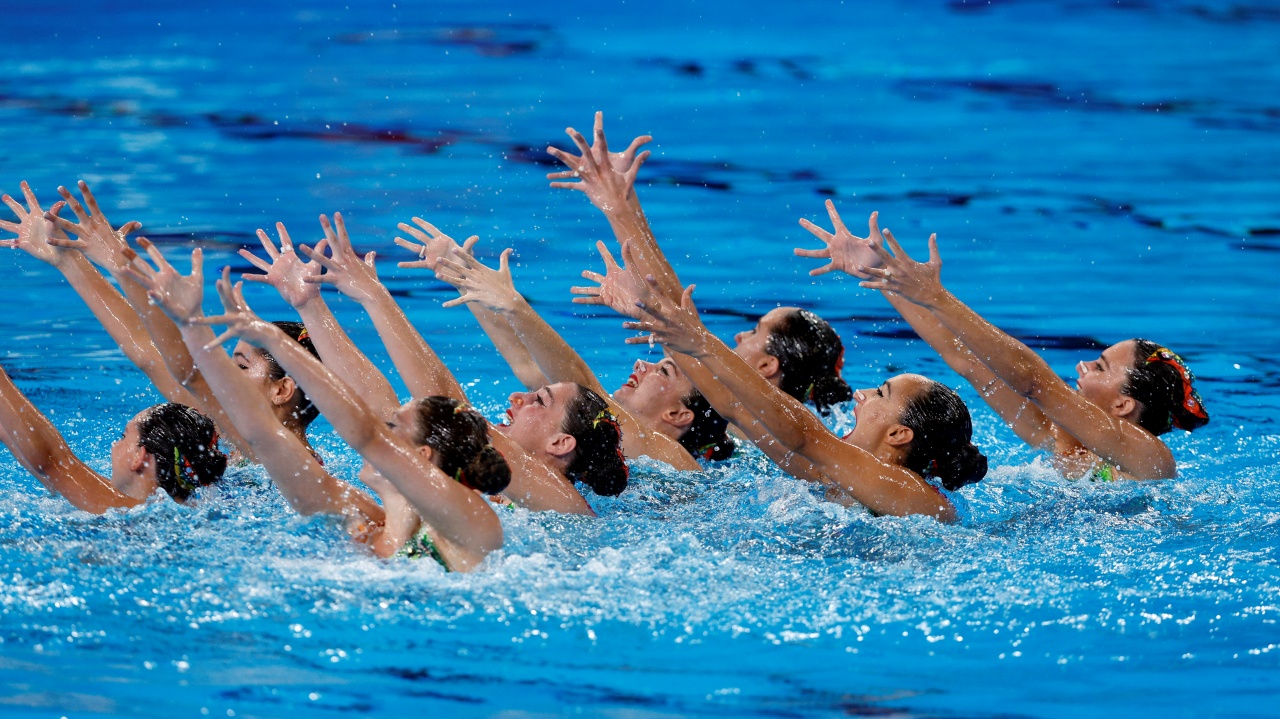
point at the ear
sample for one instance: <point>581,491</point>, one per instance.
<point>768,366</point>
<point>282,390</point>
<point>1125,406</point>
<point>679,416</point>
<point>140,458</point>
<point>561,444</point>
<point>900,435</point>
<point>427,453</point>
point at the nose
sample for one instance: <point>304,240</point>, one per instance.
<point>1081,368</point>
<point>517,398</point>
<point>859,396</point>
<point>641,367</point>
<point>738,337</point>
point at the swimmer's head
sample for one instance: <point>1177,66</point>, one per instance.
<point>662,397</point>
<point>169,446</point>
<point>458,438</point>
<point>571,427</point>
<point>800,353</point>
<point>924,425</point>
<point>1145,383</point>
<point>286,397</point>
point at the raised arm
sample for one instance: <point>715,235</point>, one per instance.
<point>608,180</point>
<point>726,404</point>
<point>847,253</point>
<point>496,291</point>
<point>308,488</point>
<point>880,487</point>
<point>39,447</point>
<point>1122,443</point>
<point>288,273</point>
<point>419,366</point>
<point>37,235</point>
<point>458,515</point>
<point>431,246</point>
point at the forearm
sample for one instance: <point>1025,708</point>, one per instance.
<point>629,225</point>
<point>124,325</point>
<point>784,417</point>
<point>296,472</point>
<point>346,360</point>
<point>1026,420</point>
<point>941,340</point>
<point>41,449</point>
<point>1010,360</point>
<point>419,366</point>
<point>554,357</point>
<point>504,339</point>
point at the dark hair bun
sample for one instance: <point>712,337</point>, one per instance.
<point>967,466</point>
<point>184,445</point>
<point>460,437</point>
<point>487,471</point>
<point>828,390</point>
<point>1161,382</point>
<point>943,443</point>
<point>597,457</point>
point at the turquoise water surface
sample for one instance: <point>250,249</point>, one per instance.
<point>1094,171</point>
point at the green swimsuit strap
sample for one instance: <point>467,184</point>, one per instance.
<point>1104,473</point>
<point>420,545</point>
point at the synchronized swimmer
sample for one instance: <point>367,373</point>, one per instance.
<point>438,472</point>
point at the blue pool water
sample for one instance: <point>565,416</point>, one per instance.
<point>1094,170</point>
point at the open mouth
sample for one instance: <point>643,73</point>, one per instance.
<point>632,381</point>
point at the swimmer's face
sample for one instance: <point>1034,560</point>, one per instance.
<point>282,392</point>
<point>535,418</point>
<point>130,462</point>
<point>752,343</point>
<point>255,366</point>
<point>653,389</point>
<point>1102,381</point>
<point>877,410</point>
<point>406,423</point>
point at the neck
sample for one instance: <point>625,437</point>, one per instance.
<point>291,422</point>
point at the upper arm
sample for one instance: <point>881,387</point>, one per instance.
<point>1124,444</point>
<point>84,488</point>
<point>455,512</point>
<point>881,488</point>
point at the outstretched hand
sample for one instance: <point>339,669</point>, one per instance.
<point>180,297</point>
<point>676,327</point>
<point>35,230</point>
<point>103,245</point>
<point>431,245</point>
<point>608,178</point>
<point>618,288</point>
<point>240,320</point>
<point>846,251</point>
<point>475,282</point>
<point>287,272</point>
<point>354,276</point>
<point>920,282</point>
